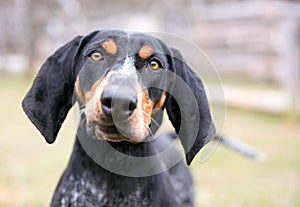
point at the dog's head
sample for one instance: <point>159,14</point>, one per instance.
<point>121,80</point>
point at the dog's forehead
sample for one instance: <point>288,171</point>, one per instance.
<point>126,43</point>
<point>123,53</point>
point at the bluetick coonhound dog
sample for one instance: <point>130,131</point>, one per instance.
<point>123,82</point>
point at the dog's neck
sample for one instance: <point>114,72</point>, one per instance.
<point>111,151</point>
<point>125,158</point>
<point>86,176</point>
<point>126,148</point>
<point>105,187</point>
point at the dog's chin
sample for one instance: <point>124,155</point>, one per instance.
<point>111,134</point>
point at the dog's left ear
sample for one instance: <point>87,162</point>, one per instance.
<point>188,109</point>
<point>49,99</point>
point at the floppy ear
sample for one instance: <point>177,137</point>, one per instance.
<point>49,99</point>
<point>188,109</point>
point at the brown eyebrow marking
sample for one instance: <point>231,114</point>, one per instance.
<point>145,52</point>
<point>110,46</point>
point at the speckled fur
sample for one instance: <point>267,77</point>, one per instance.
<point>85,183</point>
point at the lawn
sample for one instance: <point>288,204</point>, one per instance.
<point>30,168</point>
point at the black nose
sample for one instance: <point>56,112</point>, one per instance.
<point>118,103</point>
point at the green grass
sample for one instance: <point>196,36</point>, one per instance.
<point>232,180</point>
<point>30,168</point>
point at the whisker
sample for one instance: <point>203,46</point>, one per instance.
<point>79,114</point>
<point>81,110</point>
<point>151,119</point>
<point>149,130</point>
<point>81,121</point>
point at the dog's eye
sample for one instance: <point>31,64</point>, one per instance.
<point>154,64</point>
<point>96,56</point>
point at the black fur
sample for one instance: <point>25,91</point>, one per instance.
<point>84,182</point>
<point>189,121</point>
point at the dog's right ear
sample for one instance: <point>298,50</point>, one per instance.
<point>188,108</point>
<point>49,99</point>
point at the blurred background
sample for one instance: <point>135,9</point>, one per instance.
<point>254,46</point>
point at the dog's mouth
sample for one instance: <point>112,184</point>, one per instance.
<point>113,133</point>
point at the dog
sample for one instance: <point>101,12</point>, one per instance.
<point>123,83</point>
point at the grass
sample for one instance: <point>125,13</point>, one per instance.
<point>30,168</point>
<point>232,180</point>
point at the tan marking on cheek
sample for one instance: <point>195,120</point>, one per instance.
<point>145,52</point>
<point>93,102</point>
<point>93,106</point>
<point>110,46</point>
<point>147,106</point>
<point>79,91</point>
<point>161,101</point>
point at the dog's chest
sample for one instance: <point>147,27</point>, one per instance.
<point>87,191</point>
